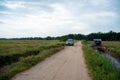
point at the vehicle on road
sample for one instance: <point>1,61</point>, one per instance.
<point>70,42</point>
<point>97,42</point>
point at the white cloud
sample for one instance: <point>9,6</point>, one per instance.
<point>100,2</point>
<point>102,14</point>
<point>5,12</point>
<point>14,5</point>
<point>43,19</point>
<point>42,22</point>
<point>45,23</point>
<point>95,16</point>
<point>80,26</point>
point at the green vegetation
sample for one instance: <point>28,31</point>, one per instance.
<point>113,44</point>
<point>12,50</point>
<point>21,55</point>
<point>108,36</point>
<point>114,47</point>
<point>100,67</point>
<point>21,46</point>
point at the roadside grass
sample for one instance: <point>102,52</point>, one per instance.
<point>12,50</point>
<point>100,67</point>
<point>113,44</point>
<point>113,47</point>
<point>10,47</point>
<point>27,62</point>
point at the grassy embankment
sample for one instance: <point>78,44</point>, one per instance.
<point>100,67</point>
<point>115,46</point>
<point>17,56</point>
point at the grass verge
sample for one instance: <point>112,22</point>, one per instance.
<point>12,50</point>
<point>27,62</point>
<point>114,47</point>
<point>100,67</point>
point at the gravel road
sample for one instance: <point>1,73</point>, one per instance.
<point>68,64</point>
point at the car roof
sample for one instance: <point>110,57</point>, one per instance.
<point>70,39</point>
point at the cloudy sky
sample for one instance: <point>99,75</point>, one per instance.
<point>25,18</point>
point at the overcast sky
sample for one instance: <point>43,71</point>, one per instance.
<point>30,18</point>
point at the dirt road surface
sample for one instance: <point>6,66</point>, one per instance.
<point>68,64</point>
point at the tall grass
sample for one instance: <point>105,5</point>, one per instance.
<point>10,47</point>
<point>12,50</point>
<point>27,62</point>
<point>100,67</point>
<point>112,47</point>
<point>113,44</point>
<point>19,55</point>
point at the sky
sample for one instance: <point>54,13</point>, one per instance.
<point>41,18</point>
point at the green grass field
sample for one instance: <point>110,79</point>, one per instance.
<point>100,67</point>
<point>19,55</point>
<point>113,44</point>
<point>11,50</point>
<point>110,44</point>
<point>21,46</point>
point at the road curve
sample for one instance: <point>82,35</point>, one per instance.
<point>68,64</point>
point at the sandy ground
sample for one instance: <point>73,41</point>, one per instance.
<point>68,64</point>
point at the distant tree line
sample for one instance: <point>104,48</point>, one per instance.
<point>108,36</point>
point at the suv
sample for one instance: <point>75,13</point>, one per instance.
<point>70,42</point>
